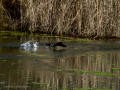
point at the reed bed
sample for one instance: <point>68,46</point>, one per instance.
<point>86,18</point>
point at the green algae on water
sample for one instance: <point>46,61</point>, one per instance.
<point>39,55</point>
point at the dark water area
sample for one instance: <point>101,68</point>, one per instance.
<point>82,65</point>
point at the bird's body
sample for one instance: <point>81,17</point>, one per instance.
<point>55,44</point>
<point>58,44</point>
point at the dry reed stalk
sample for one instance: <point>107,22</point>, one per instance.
<point>5,18</point>
<point>83,18</point>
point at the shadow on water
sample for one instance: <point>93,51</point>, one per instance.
<point>82,65</point>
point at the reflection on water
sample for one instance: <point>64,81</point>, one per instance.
<point>79,66</point>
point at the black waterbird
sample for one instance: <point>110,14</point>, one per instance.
<point>55,44</point>
<point>58,44</point>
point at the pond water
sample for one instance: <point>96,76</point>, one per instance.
<point>82,65</point>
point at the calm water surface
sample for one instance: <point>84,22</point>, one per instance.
<point>93,65</point>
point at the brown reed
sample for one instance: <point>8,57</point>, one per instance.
<point>85,18</point>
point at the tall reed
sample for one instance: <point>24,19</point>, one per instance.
<point>72,17</point>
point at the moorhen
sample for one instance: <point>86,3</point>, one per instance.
<point>59,44</point>
<point>55,44</point>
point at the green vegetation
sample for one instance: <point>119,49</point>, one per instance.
<point>39,55</point>
<point>55,88</point>
<point>2,82</point>
<point>4,60</point>
<point>2,74</point>
<point>36,83</point>
<point>103,81</point>
<point>12,33</point>
<point>13,83</point>
<point>82,55</point>
<point>5,37</point>
<point>92,89</point>
<point>30,78</point>
<point>96,72</point>
<point>84,71</point>
<point>58,70</point>
<point>103,61</point>
<point>117,69</point>
<point>83,39</point>
<point>13,63</point>
<point>58,17</point>
<point>20,55</point>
